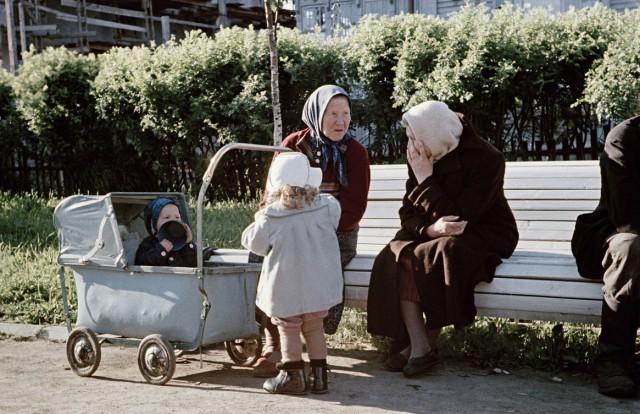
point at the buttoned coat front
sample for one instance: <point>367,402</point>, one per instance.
<point>467,182</point>
<point>301,271</point>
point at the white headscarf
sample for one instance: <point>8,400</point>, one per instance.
<point>437,126</point>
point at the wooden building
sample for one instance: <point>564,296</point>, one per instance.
<point>335,15</point>
<point>97,25</point>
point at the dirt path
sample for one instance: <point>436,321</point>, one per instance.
<point>35,378</point>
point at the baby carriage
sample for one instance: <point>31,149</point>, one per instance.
<point>160,309</point>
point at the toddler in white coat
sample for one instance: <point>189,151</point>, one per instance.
<point>301,275</point>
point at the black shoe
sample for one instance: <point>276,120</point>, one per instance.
<point>396,363</point>
<point>318,380</point>
<point>614,380</point>
<point>318,376</point>
<point>287,382</point>
<point>420,365</point>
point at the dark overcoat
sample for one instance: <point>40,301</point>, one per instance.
<point>467,182</point>
<point>619,208</point>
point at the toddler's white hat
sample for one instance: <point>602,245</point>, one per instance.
<point>292,168</point>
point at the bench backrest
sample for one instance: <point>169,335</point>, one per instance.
<point>545,196</point>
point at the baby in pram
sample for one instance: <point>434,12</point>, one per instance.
<point>160,251</point>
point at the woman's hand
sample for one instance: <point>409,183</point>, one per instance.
<point>420,160</point>
<point>446,226</point>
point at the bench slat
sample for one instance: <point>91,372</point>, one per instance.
<point>369,225</point>
<point>505,272</point>
<point>533,215</point>
<point>545,225</point>
<point>541,267</point>
<point>535,169</point>
<point>516,183</point>
<point>386,234</point>
<point>545,246</point>
<point>365,260</point>
<point>553,205</point>
<point>522,287</point>
<point>518,193</point>
<point>546,194</point>
<point>513,307</point>
<point>541,246</point>
<point>552,183</point>
<point>542,288</point>
<point>566,210</point>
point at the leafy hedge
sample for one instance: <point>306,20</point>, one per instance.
<point>148,118</point>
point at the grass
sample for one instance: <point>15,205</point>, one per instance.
<point>30,293</point>
<point>223,222</point>
<point>491,343</point>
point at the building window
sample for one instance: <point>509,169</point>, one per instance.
<point>344,14</point>
<point>312,17</point>
<point>378,7</point>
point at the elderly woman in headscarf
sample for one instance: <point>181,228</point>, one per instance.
<point>344,161</point>
<point>456,225</point>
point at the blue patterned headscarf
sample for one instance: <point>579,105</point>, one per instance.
<point>152,212</point>
<point>312,114</point>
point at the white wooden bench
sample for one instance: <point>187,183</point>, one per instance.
<point>540,281</point>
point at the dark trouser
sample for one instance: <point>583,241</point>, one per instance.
<point>621,304</point>
<point>348,242</point>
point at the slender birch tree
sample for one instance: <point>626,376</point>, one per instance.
<point>271,10</point>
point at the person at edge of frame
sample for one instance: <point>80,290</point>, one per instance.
<point>606,246</point>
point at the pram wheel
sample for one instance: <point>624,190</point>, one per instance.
<point>83,351</point>
<point>244,352</point>
<point>156,359</point>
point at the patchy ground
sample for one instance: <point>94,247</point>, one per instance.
<point>35,378</point>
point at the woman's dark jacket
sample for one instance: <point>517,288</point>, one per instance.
<point>619,208</point>
<point>467,182</point>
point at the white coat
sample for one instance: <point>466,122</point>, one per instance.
<point>301,272</point>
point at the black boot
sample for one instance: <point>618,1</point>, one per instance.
<point>290,380</point>
<point>616,350</point>
<point>318,376</point>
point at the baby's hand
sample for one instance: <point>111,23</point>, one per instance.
<point>189,234</point>
<point>168,246</point>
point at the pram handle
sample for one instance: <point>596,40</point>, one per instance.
<point>208,175</point>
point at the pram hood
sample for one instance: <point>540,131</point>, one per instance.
<point>104,230</point>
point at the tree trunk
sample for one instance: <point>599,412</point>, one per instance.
<point>275,89</point>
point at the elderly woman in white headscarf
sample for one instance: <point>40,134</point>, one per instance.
<point>328,144</point>
<point>456,225</point>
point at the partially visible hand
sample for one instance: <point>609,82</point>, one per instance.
<point>446,226</point>
<point>420,160</point>
<point>168,246</point>
<point>189,234</point>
